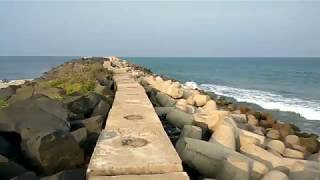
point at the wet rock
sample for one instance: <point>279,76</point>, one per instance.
<point>179,118</point>
<point>273,134</point>
<point>34,115</point>
<point>72,174</point>
<point>275,175</point>
<point>291,153</point>
<point>191,132</point>
<point>92,124</point>
<point>277,146</point>
<point>52,152</point>
<point>10,169</point>
<point>165,100</point>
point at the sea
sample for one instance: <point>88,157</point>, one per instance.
<point>281,84</point>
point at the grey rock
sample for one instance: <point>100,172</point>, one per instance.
<point>179,118</point>
<point>165,100</point>
<point>53,152</point>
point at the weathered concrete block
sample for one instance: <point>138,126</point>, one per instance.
<point>179,118</point>
<point>191,132</point>
<point>166,176</point>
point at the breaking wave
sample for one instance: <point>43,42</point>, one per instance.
<point>308,109</point>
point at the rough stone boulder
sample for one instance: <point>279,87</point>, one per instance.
<point>82,105</point>
<point>275,175</point>
<point>21,94</point>
<point>92,124</point>
<point>53,152</point>
<point>179,118</point>
<point>101,109</point>
<point>71,174</point>
<point>165,100</point>
<point>34,115</point>
<point>208,159</point>
<point>6,93</point>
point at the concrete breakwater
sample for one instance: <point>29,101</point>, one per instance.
<point>133,144</point>
<point>49,129</point>
<point>216,140</point>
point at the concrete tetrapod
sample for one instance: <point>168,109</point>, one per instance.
<point>179,118</point>
<point>214,160</point>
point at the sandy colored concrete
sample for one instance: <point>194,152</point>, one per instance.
<point>133,141</point>
<point>166,176</point>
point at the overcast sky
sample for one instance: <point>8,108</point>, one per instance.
<point>216,28</point>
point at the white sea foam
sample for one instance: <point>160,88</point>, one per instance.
<point>191,85</point>
<point>308,109</point>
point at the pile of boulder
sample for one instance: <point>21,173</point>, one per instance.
<point>46,133</point>
<point>230,143</point>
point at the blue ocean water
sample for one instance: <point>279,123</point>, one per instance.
<point>287,84</point>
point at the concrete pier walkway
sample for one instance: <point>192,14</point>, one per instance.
<point>133,144</point>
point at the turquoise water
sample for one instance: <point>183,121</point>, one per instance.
<point>287,84</point>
